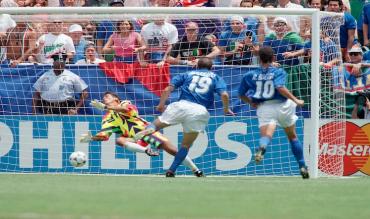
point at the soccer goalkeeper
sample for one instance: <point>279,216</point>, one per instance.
<point>123,118</point>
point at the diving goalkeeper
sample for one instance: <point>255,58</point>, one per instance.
<point>123,118</point>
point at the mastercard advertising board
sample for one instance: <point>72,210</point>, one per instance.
<point>352,157</point>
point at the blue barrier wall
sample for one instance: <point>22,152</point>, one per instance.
<point>43,144</point>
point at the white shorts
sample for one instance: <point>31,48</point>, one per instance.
<point>193,117</point>
<point>277,112</point>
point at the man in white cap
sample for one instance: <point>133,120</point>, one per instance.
<point>76,33</point>
<point>287,45</point>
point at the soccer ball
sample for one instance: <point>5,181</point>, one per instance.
<point>77,159</point>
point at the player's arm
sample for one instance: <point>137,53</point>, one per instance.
<point>225,103</point>
<point>164,97</point>
<point>102,135</point>
<point>123,107</point>
<point>286,93</point>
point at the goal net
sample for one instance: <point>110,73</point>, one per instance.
<point>121,50</point>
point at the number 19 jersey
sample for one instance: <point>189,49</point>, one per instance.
<point>199,86</point>
<point>260,84</point>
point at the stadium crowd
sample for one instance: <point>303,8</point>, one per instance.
<point>228,41</point>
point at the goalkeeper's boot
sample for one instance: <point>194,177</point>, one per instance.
<point>169,173</point>
<point>304,173</point>
<point>259,154</point>
<point>199,173</point>
<point>151,152</point>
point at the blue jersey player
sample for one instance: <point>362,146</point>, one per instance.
<point>197,95</point>
<point>264,88</point>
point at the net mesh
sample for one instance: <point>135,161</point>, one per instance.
<point>43,142</point>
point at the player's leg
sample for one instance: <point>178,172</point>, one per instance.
<point>287,120</point>
<point>131,146</point>
<point>267,120</point>
<point>187,141</point>
<point>171,116</point>
<point>297,149</point>
<point>171,149</point>
<point>266,133</point>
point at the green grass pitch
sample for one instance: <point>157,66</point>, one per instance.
<point>57,196</point>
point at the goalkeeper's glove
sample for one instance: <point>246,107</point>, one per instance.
<point>98,105</point>
<point>86,138</point>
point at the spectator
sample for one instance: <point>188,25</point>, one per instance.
<point>256,24</point>
<point>76,32</point>
<point>105,29</point>
<point>232,42</point>
<point>268,25</point>
<point>73,3</point>
<point>40,3</point>
<point>89,28</point>
<point>365,25</point>
<point>191,47</point>
<point>125,44</point>
<point>357,73</point>
<point>159,37</point>
<point>357,66</point>
<point>214,41</point>
<point>6,24</point>
<point>56,90</point>
<point>329,52</point>
<point>54,42</point>
<point>347,30</point>
<point>294,21</point>
<point>306,22</point>
<point>90,56</point>
<point>26,43</point>
<point>288,46</point>
<point>192,3</point>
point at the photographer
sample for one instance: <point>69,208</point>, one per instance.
<point>363,100</point>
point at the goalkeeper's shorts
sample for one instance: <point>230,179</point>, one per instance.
<point>156,139</point>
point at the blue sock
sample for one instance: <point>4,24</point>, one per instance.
<point>297,150</point>
<point>180,156</point>
<point>264,141</point>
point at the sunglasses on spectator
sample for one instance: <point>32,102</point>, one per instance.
<point>57,22</point>
<point>191,29</point>
<point>355,54</point>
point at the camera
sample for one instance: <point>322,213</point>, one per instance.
<point>364,93</point>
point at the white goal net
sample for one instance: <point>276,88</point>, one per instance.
<point>123,50</point>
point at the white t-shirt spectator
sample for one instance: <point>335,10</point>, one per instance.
<point>59,88</point>
<point>158,37</point>
<point>51,44</point>
<point>85,62</point>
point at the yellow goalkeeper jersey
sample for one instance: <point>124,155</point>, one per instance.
<point>125,123</point>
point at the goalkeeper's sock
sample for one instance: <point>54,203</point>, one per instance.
<point>189,163</point>
<point>134,147</point>
<point>297,150</point>
<point>179,158</point>
<point>264,141</point>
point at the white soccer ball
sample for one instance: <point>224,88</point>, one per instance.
<point>78,159</point>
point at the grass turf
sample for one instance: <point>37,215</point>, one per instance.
<point>91,196</point>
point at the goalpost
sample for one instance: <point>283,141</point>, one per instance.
<point>42,143</point>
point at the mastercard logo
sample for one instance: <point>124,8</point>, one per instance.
<point>350,158</point>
